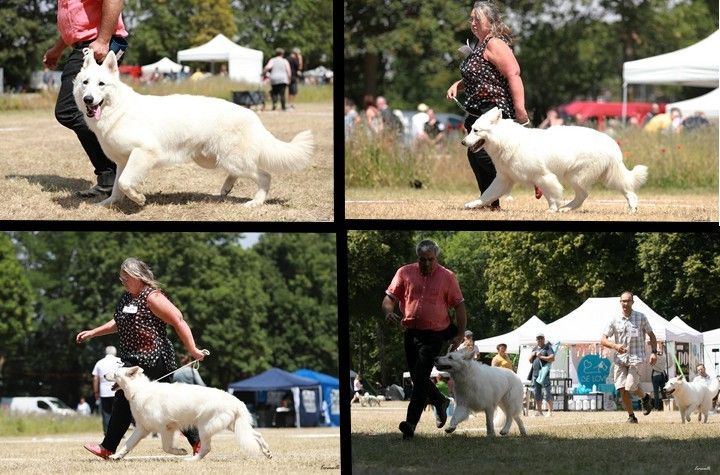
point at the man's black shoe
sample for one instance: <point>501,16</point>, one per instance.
<point>632,419</point>
<point>407,429</point>
<point>647,404</point>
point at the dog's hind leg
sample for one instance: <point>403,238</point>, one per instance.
<point>552,190</point>
<point>138,434</point>
<point>262,179</point>
<point>228,185</point>
<point>461,413</point>
<point>167,438</point>
<point>580,195</point>
<point>521,426</point>
<point>489,422</point>
<point>264,447</point>
<point>632,200</point>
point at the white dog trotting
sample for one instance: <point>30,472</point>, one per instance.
<point>691,397</point>
<point>166,408</point>
<point>579,156</point>
<point>478,387</point>
<point>139,132</point>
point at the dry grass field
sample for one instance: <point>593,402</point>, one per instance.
<point>567,443</point>
<point>602,205</point>
<point>295,451</point>
<point>42,165</point>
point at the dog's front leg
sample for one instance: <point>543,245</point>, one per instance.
<point>500,186</point>
<point>461,413</point>
<point>489,423</point>
<point>138,434</point>
<point>116,195</point>
<point>141,161</point>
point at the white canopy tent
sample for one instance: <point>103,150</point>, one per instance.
<point>526,331</point>
<point>244,64</point>
<point>708,104</point>
<point>712,351</point>
<point>678,322</point>
<point>696,65</point>
<point>164,66</point>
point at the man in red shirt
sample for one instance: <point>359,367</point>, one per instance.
<point>424,292</point>
<point>94,24</point>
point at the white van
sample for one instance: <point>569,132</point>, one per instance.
<point>36,405</point>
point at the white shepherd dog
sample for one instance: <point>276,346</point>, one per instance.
<point>480,387</point>
<point>544,157</point>
<point>691,397</point>
<point>165,408</point>
<point>139,132</point>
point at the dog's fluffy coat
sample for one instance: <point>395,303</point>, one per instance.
<point>166,408</point>
<point>691,397</point>
<point>139,132</point>
<point>478,387</point>
<point>579,156</point>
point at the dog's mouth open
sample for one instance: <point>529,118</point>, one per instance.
<point>115,387</point>
<point>94,111</point>
<point>474,148</point>
<point>669,391</point>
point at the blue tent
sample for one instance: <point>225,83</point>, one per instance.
<point>306,392</point>
<point>330,387</point>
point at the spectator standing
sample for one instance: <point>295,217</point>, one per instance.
<point>297,66</point>
<point>417,123</point>
<point>541,358</point>
<point>501,359</point>
<point>371,115</point>
<point>187,373</point>
<point>468,344</point>
<point>97,25</point>
<point>83,408</point>
<point>391,123</point>
<point>279,73</point>
<point>352,118</point>
<point>104,393</point>
<point>659,376</point>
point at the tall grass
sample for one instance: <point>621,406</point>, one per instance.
<point>213,87</point>
<point>17,425</point>
<point>675,161</point>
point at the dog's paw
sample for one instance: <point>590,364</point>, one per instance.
<point>108,202</point>
<point>177,451</point>
<point>474,204</point>
<point>117,456</point>
<point>253,203</point>
<point>450,430</point>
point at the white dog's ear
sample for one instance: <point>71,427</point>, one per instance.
<point>135,370</point>
<point>494,115</point>
<point>88,56</point>
<point>111,64</point>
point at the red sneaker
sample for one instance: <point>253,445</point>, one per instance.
<point>538,193</point>
<point>98,450</point>
<point>196,448</point>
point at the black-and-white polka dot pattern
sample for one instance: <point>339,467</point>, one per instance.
<point>143,336</point>
<point>484,83</point>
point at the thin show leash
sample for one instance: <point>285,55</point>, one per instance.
<point>205,352</point>
<point>525,124</point>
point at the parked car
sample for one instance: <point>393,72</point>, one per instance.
<point>36,405</point>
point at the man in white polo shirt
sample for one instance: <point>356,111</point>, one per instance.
<point>102,387</point>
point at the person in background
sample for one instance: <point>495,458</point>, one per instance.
<point>551,120</point>
<point>541,357</point>
<point>501,359</point>
<point>104,393</point>
<point>279,73</point>
<point>83,408</point>
<point>187,374</point>
<point>659,376</point>
<point>468,344</point>
<point>297,66</point>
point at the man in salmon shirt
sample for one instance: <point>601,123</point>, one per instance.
<point>425,291</point>
<point>94,24</point>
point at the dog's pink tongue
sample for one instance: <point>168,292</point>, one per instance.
<point>98,111</point>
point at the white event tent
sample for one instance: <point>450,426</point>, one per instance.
<point>678,322</point>
<point>696,65</point>
<point>164,66</point>
<point>709,104</point>
<point>244,64</point>
<point>712,351</point>
<point>526,331</point>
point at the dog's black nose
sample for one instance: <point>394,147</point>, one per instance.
<point>88,100</point>
<point>463,142</point>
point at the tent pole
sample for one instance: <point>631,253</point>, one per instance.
<point>624,106</point>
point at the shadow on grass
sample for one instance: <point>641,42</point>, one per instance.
<point>54,183</point>
<point>636,453</point>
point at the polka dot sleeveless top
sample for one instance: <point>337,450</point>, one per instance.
<point>484,82</point>
<point>143,337</point>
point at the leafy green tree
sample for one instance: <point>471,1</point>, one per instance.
<point>158,29</point>
<point>27,30</point>
<point>301,279</point>
<point>16,300</point>
<point>306,24</point>
<point>681,272</point>
<point>209,18</point>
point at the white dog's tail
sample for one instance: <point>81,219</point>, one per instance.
<point>714,386</point>
<point>280,156</point>
<point>620,178</point>
<point>250,440</point>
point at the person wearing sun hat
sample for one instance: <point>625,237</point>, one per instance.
<point>418,122</point>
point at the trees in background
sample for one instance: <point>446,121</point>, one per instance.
<point>252,308</point>
<point>506,277</point>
